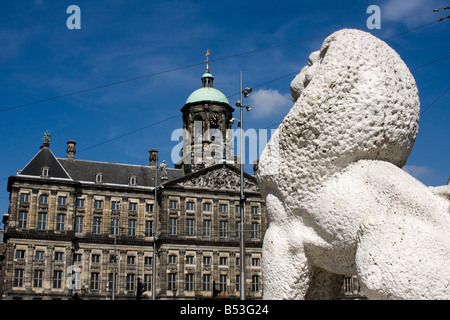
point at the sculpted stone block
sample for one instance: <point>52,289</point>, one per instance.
<point>339,202</point>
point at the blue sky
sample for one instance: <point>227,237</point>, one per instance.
<point>165,41</point>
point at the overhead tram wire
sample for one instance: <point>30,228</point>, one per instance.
<point>128,133</point>
<point>200,63</point>
<point>431,62</point>
<point>228,96</point>
<point>270,81</point>
<point>434,101</point>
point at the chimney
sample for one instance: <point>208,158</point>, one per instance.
<point>71,149</point>
<point>153,157</point>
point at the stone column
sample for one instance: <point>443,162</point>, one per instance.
<point>181,276</point>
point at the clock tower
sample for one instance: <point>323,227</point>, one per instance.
<point>206,120</point>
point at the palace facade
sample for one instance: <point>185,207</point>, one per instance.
<point>98,230</point>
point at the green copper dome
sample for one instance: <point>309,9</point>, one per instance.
<point>207,94</point>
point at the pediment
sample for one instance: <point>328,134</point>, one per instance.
<point>221,177</point>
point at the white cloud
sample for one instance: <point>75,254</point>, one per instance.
<point>266,102</point>
<point>394,9</point>
<point>417,171</point>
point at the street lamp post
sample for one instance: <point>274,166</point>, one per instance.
<point>244,94</point>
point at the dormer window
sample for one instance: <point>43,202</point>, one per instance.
<point>45,172</point>
<point>132,180</point>
<point>98,178</point>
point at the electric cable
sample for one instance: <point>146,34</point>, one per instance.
<point>200,63</point>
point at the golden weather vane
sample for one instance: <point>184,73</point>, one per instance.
<point>208,52</point>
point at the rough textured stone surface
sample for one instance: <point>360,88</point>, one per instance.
<point>336,197</point>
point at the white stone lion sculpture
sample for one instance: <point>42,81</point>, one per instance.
<point>337,201</point>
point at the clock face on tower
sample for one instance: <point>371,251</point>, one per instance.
<point>215,120</point>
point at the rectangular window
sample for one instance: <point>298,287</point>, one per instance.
<point>97,225</point>
<point>255,283</point>
<point>57,279</point>
<point>39,255</point>
<point>190,227</point>
<point>130,282</point>
<point>79,224</point>
<point>223,261</point>
<point>20,254</point>
<point>42,221</point>
<point>45,172</point>
<point>255,262</point>
<point>95,276</point>
<point>149,207</point>
<point>255,230</point>
<point>206,282</point>
<point>223,225</point>
<point>60,222</point>
<point>24,197</point>
<point>95,258</point>
<point>115,205</point>
<point>148,261</point>
<point>18,278</point>
<point>43,199</point>
<point>37,278</point>
<point>62,200</point>
<point>114,227</point>
<point>98,204</point>
<point>238,282</point>
<point>173,204</point>
<point>237,209</point>
<point>80,203</point>
<point>23,218</point>
<point>131,260</point>
<point>173,226</point>
<point>110,281</point>
<point>148,282</point>
<point>58,256</point>
<point>172,281</point>
<point>190,206</point>
<point>206,228</point>
<point>148,228</point>
<point>223,282</point>
<point>172,259</point>
<point>189,282</point>
<point>207,206</point>
<point>223,208</point>
<point>132,206</point>
<point>254,210</point>
<point>131,227</point>
<point>189,259</point>
<point>206,261</point>
<point>348,285</point>
<point>77,257</point>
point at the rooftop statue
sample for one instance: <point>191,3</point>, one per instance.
<point>337,199</point>
<point>47,137</point>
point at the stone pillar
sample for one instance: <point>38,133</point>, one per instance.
<point>198,272</point>
<point>163,272</point>
<point>181,274</point>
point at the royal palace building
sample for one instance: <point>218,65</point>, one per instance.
<point>101,230</point>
